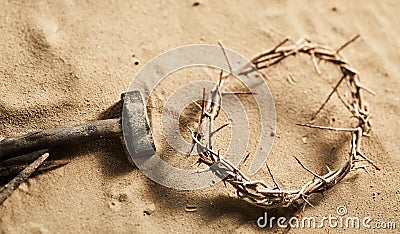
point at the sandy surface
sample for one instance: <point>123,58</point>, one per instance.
<point>66,62</point>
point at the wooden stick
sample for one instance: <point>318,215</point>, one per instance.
<point>12,170</point>
<point>11,186</point>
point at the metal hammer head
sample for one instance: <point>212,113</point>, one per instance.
<point>135,126</point>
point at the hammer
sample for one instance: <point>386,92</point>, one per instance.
<point>135,128</point>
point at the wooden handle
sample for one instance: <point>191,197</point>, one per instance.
<point>15,146</point>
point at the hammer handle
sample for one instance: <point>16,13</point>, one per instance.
<point>15,146</point>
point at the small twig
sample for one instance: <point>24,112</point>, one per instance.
<point>10,170</point>
<point>9,188</point>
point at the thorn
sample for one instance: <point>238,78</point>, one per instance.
<point>309,203</point>
<point>329,96</point>
<point>348,43</point>
<point>327,128</point>
<point>315,64</point>
<point>363,167</point>
<point>197,104</point>
<point>329,170</point>
<point>273,178</point>
<point>313,173</point>
<point>218,129</point>
<point>226,56</point>
<point>377,167</point>
<point>239,93</point>
<point>245,158</point>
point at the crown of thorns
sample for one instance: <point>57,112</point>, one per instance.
<point>259,192</point>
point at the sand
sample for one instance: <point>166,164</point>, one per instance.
<point>67,62</point>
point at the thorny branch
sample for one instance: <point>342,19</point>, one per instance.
<point>257,191</point>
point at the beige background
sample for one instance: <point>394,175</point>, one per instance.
<point>67,62</point>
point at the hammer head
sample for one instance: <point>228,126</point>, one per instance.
<point>135,126</point>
